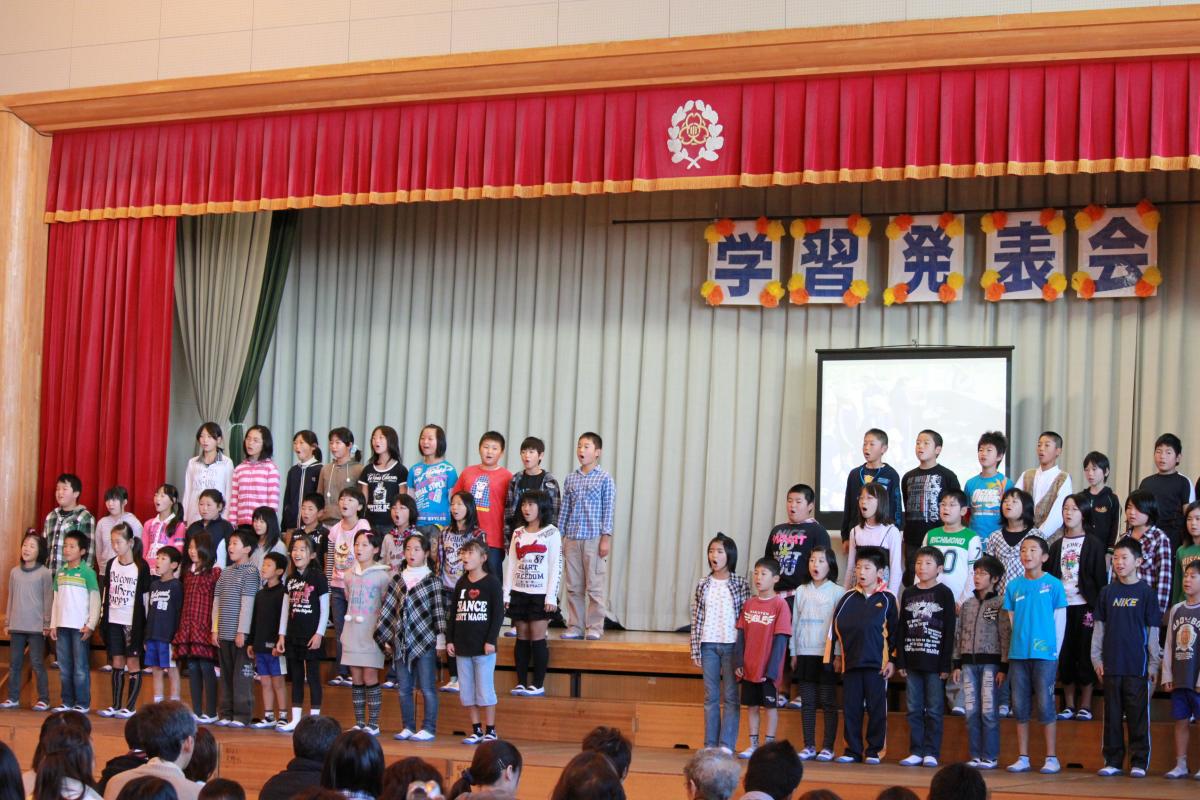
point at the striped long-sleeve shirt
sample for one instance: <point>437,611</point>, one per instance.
<point>254,484</point>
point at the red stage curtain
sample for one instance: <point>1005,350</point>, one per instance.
<point>106,359</point>
<point>1024,120</point>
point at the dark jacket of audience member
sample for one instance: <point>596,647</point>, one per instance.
<point>311,740</point>
<point>127,761</point>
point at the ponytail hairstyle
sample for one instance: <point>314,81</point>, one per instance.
<point>213,430</point>
<point>135,544</point>
<point>345,435</point>
<point>43,550</point>
<point>310,439</point>
<point>204,552</point>
<point>67,754</point>
<point>176,509</point>
<point>487,767</point>
<point>393,442</point>
<point>268,517</point>
<point>471,521</point>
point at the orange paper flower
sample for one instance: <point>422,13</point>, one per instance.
<point>1087,288</point>
<point>945,219</point>
<point>812,225</point>
<point>1143,289</point>
<point>994,291</point>
<point>715,297</point>
<point>1047,215</point>
<point>724,226</point>
<point>851,299</point>
<point>1049,293</point>
<point>760,224</point>
<point>900,292</point>
<point>903,221</point>
<point>798,297</point>
<point>946,293</point>
<point>767,299</point>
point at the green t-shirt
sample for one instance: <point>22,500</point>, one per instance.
<point>961,550</point>
<point>73,588</point>
<point>1184,556</point>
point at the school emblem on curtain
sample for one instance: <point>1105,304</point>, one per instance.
<point>695,130</point>
<point>1025,255</point>
<point>743,263</point>
<point>829,262</point>
<point>1118,252</point>
<point>925,258</point>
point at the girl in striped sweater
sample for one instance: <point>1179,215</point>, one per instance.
<point>256,480</point>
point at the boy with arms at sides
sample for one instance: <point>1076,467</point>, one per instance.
<point>66,517</point>
<point>985,489</point>
<point>922,488</point>
<point>862,646</point>
<point>73,616</point>
<point>1037,607</point>
<point>1172,490</point>
<point>981,642</point>
<point>586,522</point>
<point>961,547</point>
<point>924,649</point>
<point>1126,657</point>
<point>165,603</point>
<point>873,470</point>
<point>790,545</point>
<point>763,630</point>
<point>1048,485</point>
<point>488,483</point>
<point>1181,665</point>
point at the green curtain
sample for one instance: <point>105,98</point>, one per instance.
<point>279,255</point>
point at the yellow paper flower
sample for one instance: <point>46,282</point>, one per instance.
<point>989,277</point>
<point>1083,221</point>
<point>711,236</point>
<point>860,289</point>
<point>795,282</point>
<point>1077,279</point>
<point>1057,225</point>
<point>1152,275</point>
<point>862,227</point>
<point>955,228</point>
<point>893,231</point>
<point>796,229</point>
<point>1151,220</point>
<point>775,230</point>
<point>775,289</point>
<point>986,224</point>
<point>889,296</point>
<point>707,287</point>
<point>955,280</point>
<point>1058,281</point>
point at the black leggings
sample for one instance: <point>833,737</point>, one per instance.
<point>202,677</point>
<point>300,668</point>
<point>825,696</point>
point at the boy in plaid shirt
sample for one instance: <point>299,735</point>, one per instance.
<point>69,516</point>
<point>586,522</point>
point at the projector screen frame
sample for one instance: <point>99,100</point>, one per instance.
<point>832,520</point>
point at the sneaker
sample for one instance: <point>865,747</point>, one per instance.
<point>781,701</point>
<point>872,760</point>
<point>535,691</point>
<point>825,755</point>
<point>808,754</point>
<point>423,736</point>
<point>403,736</point>
<point>749,751</point>
<point>518,690</point>
<point>796,703</point>
<point>1083,715</point>
<point>1020,765</point>
<point>593,637</point>
<point>1137,772</point>
<point>1052,767</point>
<point>371,729</point>
<point>725,750</point>
<point>451,686</point>
<point>287,726</point>
<point>1180,771</point>
<point>847,759</point>
<point>205,719</point>
<point>511,633</point>
<point>572,635</point>
<point>265,722</point>
<point>337,680</point>
<point>1108,770</point>
<point>929,761</point>
<point>474,738</point>
<point>58,709</point>
<point>41,705</point>
<point>236,723</point>
<point>958,711</point>
<point>223,722</point>
<point>1003,711</point>
<point>1197,775</point>
<point>53,664</point>
<point>1066,713</point>
<point>124,713</point>
<point>81,709</point>
<point>911,761</point>
<point>106,668</point>
<point>389,684</point>
<point>490,736</point>
<point>986,763</point>
<point>10,704</point>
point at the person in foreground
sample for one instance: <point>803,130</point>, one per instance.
<point>312,739</point>
<point>711,774</point>
<point>354,766</point>
<point>495,770</point>
<point>774,772</point>
<point>168,735</point>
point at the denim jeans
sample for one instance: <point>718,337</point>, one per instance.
<point>420,674</point>
<point>476,680</point>
<point>979,699</point>
<point>37,660</point>
<point>73,654</point>
<point>720,688</point>
<point>337,614</point>
<point>926,705</point>
<point>1033,682</point>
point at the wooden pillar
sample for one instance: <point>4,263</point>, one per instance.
<point>24,162</point>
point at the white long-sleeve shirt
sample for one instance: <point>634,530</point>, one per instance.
<point>890,539</point>
<point>1043,480</point>
<point>534,564</point>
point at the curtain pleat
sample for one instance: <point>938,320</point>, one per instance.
<point>544,318</point>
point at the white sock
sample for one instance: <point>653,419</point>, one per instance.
<point>296,712</point>
<point>158,698</point>
<point>314,712</point>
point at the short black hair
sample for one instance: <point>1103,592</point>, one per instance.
<point>937,437</point>
<point>591,775</point>
<point>116,493</point>
<point>897,793</point>
<point>314,737</point>
<point>408,502</point>
<point>958,782</point>
<point>1146,503</point>
<point>1170,440</point>
<point>830,559</point>
<point>1098,459</point>
<point>1056,437</point>
<point>544,503</point>
<point>937,555</point>
<point>440,435</point>
<point>214,495</point>
<point>1193,566</point>
<point>42,547</point>
<point>172,552</point>
<point>206,754</point>
<point>354,763</point>
<point>875,555</point>
<point>804,490</point>
<point>222,789</point>
<point>133,735</point>
<point>775,769</point>
<point>1131,544</point>
<point>80,538</point>
<point>493,436</point>
<point>72,480</point>
<point>1026,504</point>
<point>166,725</point>
<point>731,553</point>
<point>592,437</point>
<point>991,565</point>
<point>533,443</point>
<point>768,563</point>
<point>957,494</point>
<point>879,434</point>
<point>268,448</point>
<point>996,439</point>
<point>246,535</point>
<point>278,559</point>
<point>147,787</point>
<point>1041,543</point>
<point>316,498</point>
<point>612,743</point>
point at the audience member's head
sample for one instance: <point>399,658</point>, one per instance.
<point>775,769</point>
<point>399,777</point>
<point>318,793</point>
<point>67,756</point>
<point>591,775</point>
<point>897,793</point>
<point>133,736</point>
<point>354,764</point>
<point>59,719</point>
<point>496,765</point>
<point>222,789</point>
<point>314,737</point>
<point>820,794</point>
<point>168,732</point>
<point>148,787</point>
<point>711,774</point>
<point>958,782</point>
<point>206,754</point>
<point>612,743</point>
<point>11,786</point>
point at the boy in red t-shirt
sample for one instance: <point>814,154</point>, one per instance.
<point>764,627</point>
<point>488,482</point>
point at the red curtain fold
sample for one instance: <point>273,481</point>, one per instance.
<point>106,358</point>
<point>1020,120</point>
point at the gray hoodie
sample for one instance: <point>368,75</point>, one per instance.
<point>983,632</point>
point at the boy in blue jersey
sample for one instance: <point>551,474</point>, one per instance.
<point>985,489</point>
<point>1126,656</point>
<point>862,646</point>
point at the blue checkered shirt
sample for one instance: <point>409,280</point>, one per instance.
<point>587,505</point>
